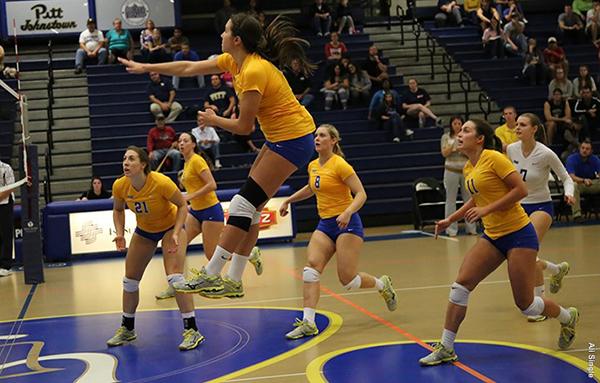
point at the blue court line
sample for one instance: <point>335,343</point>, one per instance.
<point>27,302</point>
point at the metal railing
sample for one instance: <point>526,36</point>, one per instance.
<point>50,92</point>
<point>416,31</point>
<point>430,44</point>
<point>401,14</point>
<point>485,100</point>
<point>447,64</point>
<point>465,84</point>
<point>48,177</point>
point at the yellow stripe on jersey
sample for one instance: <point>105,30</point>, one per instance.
<point>153,210</point>
<point>192,182</point>
<point>327,182</point>
<point>485,182</point>
<point>280,115</point>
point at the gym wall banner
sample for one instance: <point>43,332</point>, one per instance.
<point>135,13</point>
<point>44,17</point>
<point>93,231</point>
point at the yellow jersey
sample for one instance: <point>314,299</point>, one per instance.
<point>327,182</point>
<point>153,210</point>
<point>485,182</point>
<point>280,115</point>
<point>506,135</point>
<point>192,182</point>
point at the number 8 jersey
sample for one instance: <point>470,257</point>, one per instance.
<point>485,183</point>
<point>153,210</point>
<point>327,182</point>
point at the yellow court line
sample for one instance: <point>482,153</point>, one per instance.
<point>335,322</point>
<point>315,367</point>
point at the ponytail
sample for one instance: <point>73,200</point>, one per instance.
<point>335,134</point>
<point>278,43</point>
<point>484,129</point>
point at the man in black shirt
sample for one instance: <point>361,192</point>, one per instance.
<point>588,107</point>
<point>416,103</point>
<point>220,98</point>
<point>375,68</point>
<point>299,82</point>
<point>162,97</point>
<point>321,15</point>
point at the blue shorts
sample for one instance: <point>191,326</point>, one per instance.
<point>547,207</point>
<point>330,227</point>
<point>213,213</point>
<point>152,236</point>
<point>298,151</point>
<point>525,238</point>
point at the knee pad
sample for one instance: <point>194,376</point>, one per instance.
<point>241,212</point>
<point>310,275</point>
<point>174,278</point>
<point>256,218</point>
<point>535,308</point>
<point>354,283</point>
<point>459,294</point>
<point>253,193</point>
<point>130,285</point>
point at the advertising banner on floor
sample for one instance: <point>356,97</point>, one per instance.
<point>93,231</point>
<point>135,13</point>
<point>45,17</point>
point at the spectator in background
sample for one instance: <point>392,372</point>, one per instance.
<point>187,54</point>
<point>592,21</point>
<point>374,66</point>
<point>492,40</point>
<point>584,169</point>
<point>508,9</point>
<point>572,139</point>
<point>161,142</point>
<point>377,98</point>
<point>321,15</point>
<point>360,84</point>
<point>580,7</point>
<point>220,98</point>
<point>390,116</point>
<point>450,13</point>
<point>208,140</point>
<point>562,82</point>
<point>147,39</point>
<point>506,132</point>
<point>514,39</point>
<point>91,46</point>
<point>254,9</point>
<point>557,114</point>
<point>335,49</point>
<point>584,80</point>
<point>336,87</point>
<point>223,15</point>
<point>119,41</point>
<point>588,108</point>
<point>453,175</point>
<point>299,82</point>
<point>555,56</point>
<point>162,97</point>
<point>534,70</point>
<point>96,191</point>
<point>7,231</point>
<point>344,15</point>
<point>157,52</point>
<point>570,26</point>
<point>176,42</point>
<point>486,12</point>
<point>417,102</point>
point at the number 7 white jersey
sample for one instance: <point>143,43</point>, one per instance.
<point>535,170</point>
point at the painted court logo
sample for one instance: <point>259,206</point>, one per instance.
<point>89,232</point>
<point>135,12</point>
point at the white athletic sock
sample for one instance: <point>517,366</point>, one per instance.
<point>552,268</point>
<point>236,269</point>
<point>309,315</point>
<point>539,291</point>
<point>191,314</point>
<point>127,315</point>
<point>218,261</point>
<point>448,338</point>
<point>378,284</point>
<point>565,316</point>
